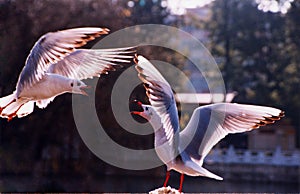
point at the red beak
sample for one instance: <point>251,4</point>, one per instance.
<point>139,103</point>
<point>135,112</point>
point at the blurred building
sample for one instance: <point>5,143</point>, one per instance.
<point>269,137</point>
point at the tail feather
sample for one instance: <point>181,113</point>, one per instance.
<point>202,171</point>
<point>210,174</point>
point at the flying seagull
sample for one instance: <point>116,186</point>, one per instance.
<point>184,151</point>
<point>55,66</point>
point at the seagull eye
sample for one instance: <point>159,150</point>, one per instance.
<point>146,108</point>
<point>72,84</point>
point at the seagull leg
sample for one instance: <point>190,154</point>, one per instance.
<point>12,115</point>
<point>167,178</point>
<point>181,182</point>
<point>2,108</point>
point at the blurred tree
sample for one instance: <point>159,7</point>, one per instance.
<point>147,11</point>
<point>257,53</point>
<point>290,74</point>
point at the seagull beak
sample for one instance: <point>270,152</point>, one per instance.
<point>82,88</point>
<point>135,112</point>
<point>139,106</point>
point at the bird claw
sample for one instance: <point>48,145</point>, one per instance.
<point>10,116</point>
<point>9,119</point>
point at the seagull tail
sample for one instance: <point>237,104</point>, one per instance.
<point>202,171</point>
<point>10,107</point>
<point>210,174</point>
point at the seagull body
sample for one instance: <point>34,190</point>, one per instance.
<point>184,151</point>
<point>47,87</point>
<point>55,66</point>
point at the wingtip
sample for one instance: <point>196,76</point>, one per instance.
<point>105,30</point>
<point>282,114</point>
<point>268,120</point>
<point>139,69</point>
<point>135,59</point>
<point>278,117</point>
<point>141,58</point>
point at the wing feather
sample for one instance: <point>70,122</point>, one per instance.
<point>209,124</point>
<point>87,63</point>
<point>161,98</point>
<point>50,49</point>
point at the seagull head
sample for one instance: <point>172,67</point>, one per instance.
<point>146,111</point>
<point>78,87</point>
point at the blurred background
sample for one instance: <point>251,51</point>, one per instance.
<point>256,44</point>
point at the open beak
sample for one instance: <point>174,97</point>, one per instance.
<point>139,104</point>
<point>82,89</point>
<point>135,112</point>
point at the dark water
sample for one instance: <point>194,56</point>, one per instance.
<point>136,184</point>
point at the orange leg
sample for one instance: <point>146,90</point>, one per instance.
<point>12,115</point>
<point>181,182</point>
<point>167,178</point>
<point>2,108</point>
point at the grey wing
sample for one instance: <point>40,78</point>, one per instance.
<point>51,48</point>
<point>161,98</point>
<point>209,124</point>
<point>87,63</point>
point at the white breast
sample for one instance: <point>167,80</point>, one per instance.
<point>49,86</point>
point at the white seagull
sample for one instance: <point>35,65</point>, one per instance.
<point>184,151</point>
<point>54,66</point>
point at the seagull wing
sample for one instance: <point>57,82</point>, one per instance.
<point>209,124</point>
<point>87,63</point>
<point>50,49</point>
<point>162,99</point>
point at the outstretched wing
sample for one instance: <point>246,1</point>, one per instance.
<point>51,48</point>
<point>87,63</point>
<point>162,99</point>
<point>209,124</point>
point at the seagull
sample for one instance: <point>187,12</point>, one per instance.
<point>55,66</point>
<point>184,151</point>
